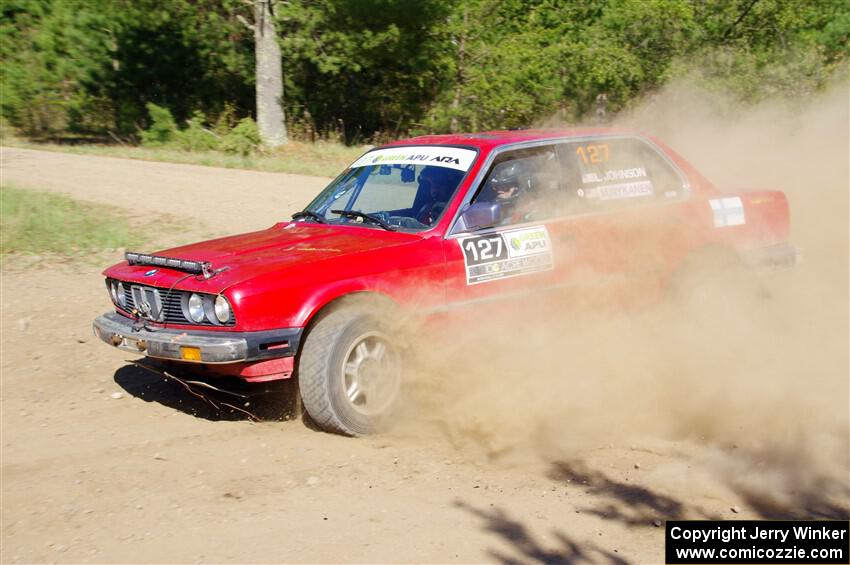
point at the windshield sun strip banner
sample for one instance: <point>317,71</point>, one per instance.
<point>451,157</point>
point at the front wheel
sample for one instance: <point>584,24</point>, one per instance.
<point>349,372</point>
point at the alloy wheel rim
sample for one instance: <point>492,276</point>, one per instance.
<point>371,374</point>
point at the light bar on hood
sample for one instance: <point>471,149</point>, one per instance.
<point>196,267</point>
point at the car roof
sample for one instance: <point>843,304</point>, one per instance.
<point>495,138</point>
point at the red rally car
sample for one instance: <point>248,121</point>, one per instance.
<point>430,227</point>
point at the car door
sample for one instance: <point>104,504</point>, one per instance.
<point>598,222</point>
<point>489,270</point>
<point>624,217</point>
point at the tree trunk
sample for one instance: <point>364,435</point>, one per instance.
<point>270,118</point>
<point>461,71</point>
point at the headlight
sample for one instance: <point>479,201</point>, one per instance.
<point>222,309</point>
<point>113,291</point>
<point>196,308</point>
<point>121,298</point>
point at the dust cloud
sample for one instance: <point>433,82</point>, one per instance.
<point>754,369</point>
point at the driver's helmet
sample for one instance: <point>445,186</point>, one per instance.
<point>507,182</point>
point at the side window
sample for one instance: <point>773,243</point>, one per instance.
<point>522,182</point>
<point>610,173</point>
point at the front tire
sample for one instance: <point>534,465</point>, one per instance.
<point>349,372</point>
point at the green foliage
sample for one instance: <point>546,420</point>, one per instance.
<point>186,55</point>
<point>196,137</point>
<point>769,48</point>
<point>92,65</point>
<point>364,68</point>
<point>49,53</point>
<point>40,222</point>
<point>226,119</point>
<point>243,139</point>
<point>376,69</point>
<point>163,129</point>
<point>541,58</point>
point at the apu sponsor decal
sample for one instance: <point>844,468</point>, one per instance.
<point>506,254</point>
<point>451,157</point>
<point>728,212</point>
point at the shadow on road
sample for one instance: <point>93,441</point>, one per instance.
<point>801,493</point>
<point>630,504</point>
<point>528,549</point>
<point>815,502</point>
<point>638,506</point>
<point>816,498</point>
<point>235,401</point>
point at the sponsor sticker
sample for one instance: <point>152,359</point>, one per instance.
<point>614,174</point>
<point>451,157</point>
<point>618,191</point>
<point>761,200</point>
<point>506,254</point>
<point>728,212</point>
<point>624,190</point>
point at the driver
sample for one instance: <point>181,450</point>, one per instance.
<point>437,183</point>
<point>510,186</point>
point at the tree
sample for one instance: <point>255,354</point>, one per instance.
<point>270,116</point>
<point>49,53</point>
<point>372,70</point>
<point>364,70</point>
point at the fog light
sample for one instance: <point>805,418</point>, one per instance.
<point>190,353</point>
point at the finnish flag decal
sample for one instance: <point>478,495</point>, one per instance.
<point>728,212</point>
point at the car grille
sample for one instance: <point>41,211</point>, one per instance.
<point>170,301</point>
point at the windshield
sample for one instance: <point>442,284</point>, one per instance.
<point>405,187</point>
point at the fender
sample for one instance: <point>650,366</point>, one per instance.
<point>329,294</point>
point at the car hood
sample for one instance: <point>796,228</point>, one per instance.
<point>245,256</point>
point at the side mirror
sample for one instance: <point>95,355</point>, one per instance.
<point>479,215</point>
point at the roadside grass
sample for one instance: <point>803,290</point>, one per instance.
<point>37,223</point>
<point>322,158</point>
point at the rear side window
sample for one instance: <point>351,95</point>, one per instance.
<point>611,173</point>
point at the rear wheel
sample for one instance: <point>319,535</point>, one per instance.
<point>716,280</point>
<point>349,372</point>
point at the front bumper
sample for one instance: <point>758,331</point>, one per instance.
<point>196,346</point>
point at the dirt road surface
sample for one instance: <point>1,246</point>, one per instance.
<point>249,200</point>
<point>104,463</point>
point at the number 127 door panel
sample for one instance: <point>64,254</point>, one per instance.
<point>495,268</point>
